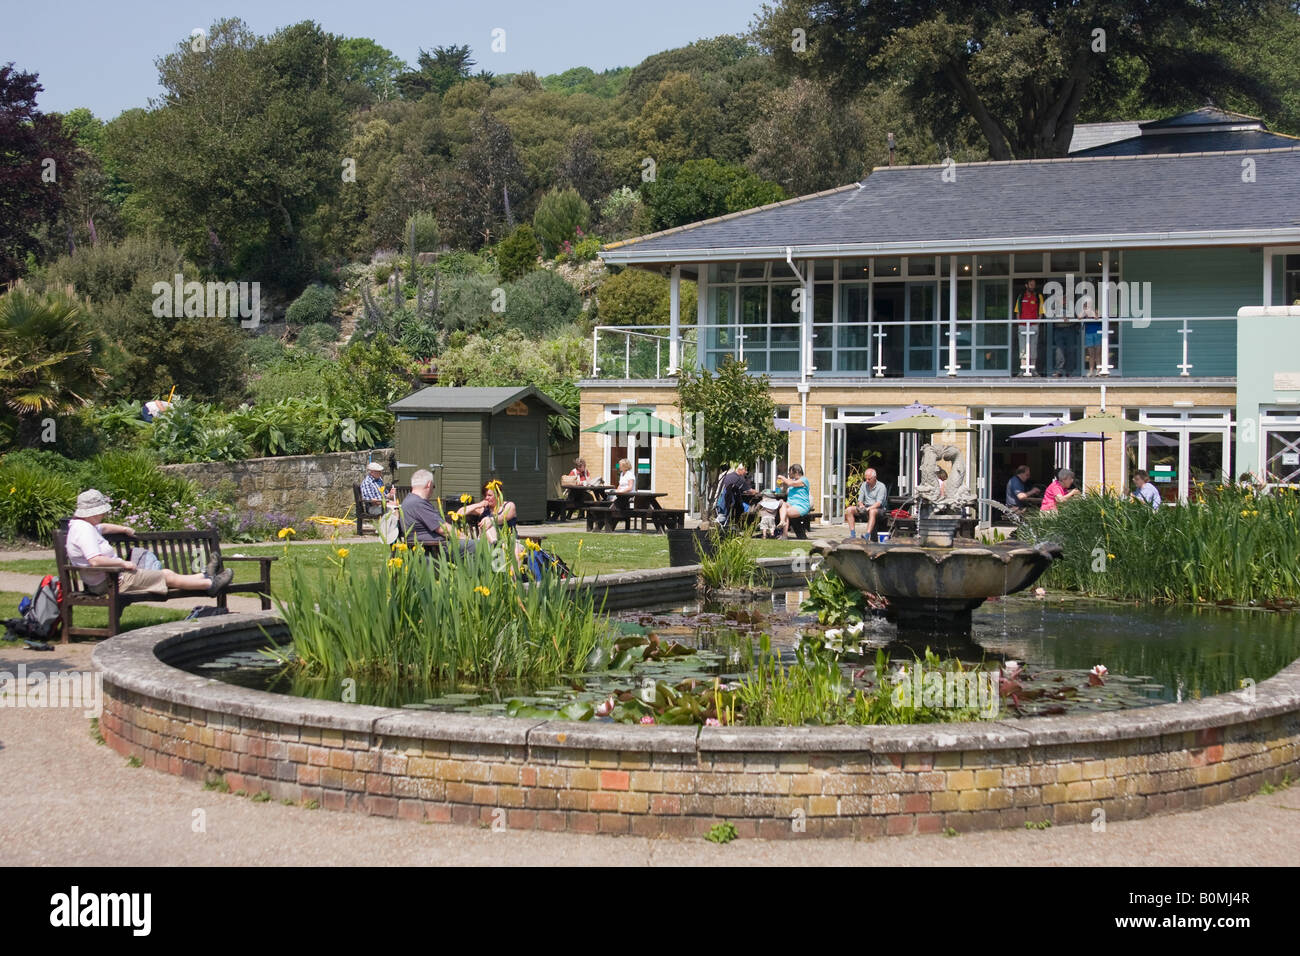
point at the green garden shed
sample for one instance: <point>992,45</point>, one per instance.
<point>473,435</point>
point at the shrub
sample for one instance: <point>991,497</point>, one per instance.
<point>420,338</point>
<point>315,304</point>
<point>461,262</point>
<point>559,216</point>
<point>32,499</point>
<point>315,339</point>
<point>540,303</point>
<point>383,272</point>
<point>623,214</point>
<point>585,249</point>
<point>466,303</point>
<point>263,350</point>
<point>636,297</point>
<point>733,563</point>
<point>290,377</point>
<point>517,254</point>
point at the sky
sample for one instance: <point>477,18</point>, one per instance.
<point>100,55</point>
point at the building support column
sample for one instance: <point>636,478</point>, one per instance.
<point>952,315</point>
<point>674,319</point>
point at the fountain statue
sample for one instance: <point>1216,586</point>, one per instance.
<point>931,585</point>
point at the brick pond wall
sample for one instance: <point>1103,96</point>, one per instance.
<point>297,485</point>
<point>613,778</point>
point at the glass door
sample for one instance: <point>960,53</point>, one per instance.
<point>833,471</point>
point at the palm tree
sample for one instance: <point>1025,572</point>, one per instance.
<point>48,357</point>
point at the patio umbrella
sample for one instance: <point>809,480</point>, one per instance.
<point>907,411</point>
<point>1047,433</point>
<point>925,422</point>
<point>636,421</point>
<point>786,425</point>
<point>1102,423</point>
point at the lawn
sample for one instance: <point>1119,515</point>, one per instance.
<point>587,553</point>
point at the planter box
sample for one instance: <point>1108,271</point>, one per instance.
<point>683,544</point>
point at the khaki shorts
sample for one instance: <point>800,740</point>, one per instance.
<point>135,582</point>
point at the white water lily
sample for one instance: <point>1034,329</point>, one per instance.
<point>1011,669</point>
<point>856,629</point>
<point>834,634</point>
<point>1099,671</point>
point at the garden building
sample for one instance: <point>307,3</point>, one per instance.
<point>468,436</point>
<point>1168,263</point>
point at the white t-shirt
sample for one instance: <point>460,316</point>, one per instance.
<point>84,542</point>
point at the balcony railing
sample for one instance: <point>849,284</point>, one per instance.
<point>989,348</point>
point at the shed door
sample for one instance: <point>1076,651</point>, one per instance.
<point>518,456</point>
<point>419,444</point>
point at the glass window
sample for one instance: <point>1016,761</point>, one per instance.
<point>723,272</point>
<point>753,270</point>
<point>1065,262</point>
<point>998,265</point>
<point>824,269</point>
<point>963,266</point>
<point>1028,263</point>
<point>855,268</point>
<point>921,265</point>
<point>887,267</point>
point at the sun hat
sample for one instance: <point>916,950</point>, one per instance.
<point>91,503</point>
<point>375,466</point>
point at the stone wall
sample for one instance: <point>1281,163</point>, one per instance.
<point>297,485</point>
<point>778,782</point>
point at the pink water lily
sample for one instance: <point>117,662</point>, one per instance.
<point>1097,676</point>
<point>647,719</point>
<point>604,708</point>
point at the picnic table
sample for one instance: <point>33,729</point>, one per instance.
<point>629,506</point>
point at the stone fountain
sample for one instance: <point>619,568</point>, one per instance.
<point>932,583</point>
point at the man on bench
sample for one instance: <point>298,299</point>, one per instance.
<point>421,522</point>
<point>88,549</point>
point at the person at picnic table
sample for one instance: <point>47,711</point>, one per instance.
<point>1061,489</point>
<point>493,512</point>
<point>1146,490</point>
<point>620,497</point>
<point>372,490</point>
<point>872,498</point>
<point>578,477</point>
<point>88,549</point>
<point>422,524</point>
<point>1018,489</point>
<point>797,503</point>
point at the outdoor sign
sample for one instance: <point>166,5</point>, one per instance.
<point>643,466</point>
<point>1163,473</point>
<point>1286,381</point>
<point>1291,457</point>
<point>518,408</point>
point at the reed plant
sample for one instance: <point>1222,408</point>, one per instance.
<point>478,617</point>
<point>1231,546</point>
<point>733,563</point>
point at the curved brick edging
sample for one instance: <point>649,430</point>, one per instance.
<point>614,778</point>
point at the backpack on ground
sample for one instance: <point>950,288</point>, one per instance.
<point>40,613</point>
<point>542,562</point>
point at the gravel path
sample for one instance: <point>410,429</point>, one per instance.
<point>64,800</point>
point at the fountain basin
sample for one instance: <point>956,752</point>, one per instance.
<point>934,589</point>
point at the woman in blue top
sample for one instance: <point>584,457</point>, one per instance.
<point>797,503</point>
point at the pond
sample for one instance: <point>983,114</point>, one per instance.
<point>1152,655</point>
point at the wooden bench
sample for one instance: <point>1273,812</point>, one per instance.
<point>185,552</point>
<point>668,519</point>
<point>360,506</point>
<point>800,524</point>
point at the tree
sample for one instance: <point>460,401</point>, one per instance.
<point>540,303</point>
<point>368,65</point>
<point>730,416</point>
<point>36,168</point>
<point>679,121</point>
<point>476,198</point>
<point>559,216</point>
<point>517,254</point>
<point>1021,71</point>
<point>49,360</point>
<point>244,147</point>
<point>437,72</point>
<point>805,142</point>
<point>582,167</point>
<point>703,188</point>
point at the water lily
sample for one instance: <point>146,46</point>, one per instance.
<point>834,634</point>
<point>1097,676</point>
<point>1010,669</point>
<point>1039,592</point>
<point>712,722</point>
<point>604,708</point>
<point>857,629</point>
<point>647,719</point>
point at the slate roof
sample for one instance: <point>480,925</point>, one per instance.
<point>472,400</point>
<point>1097,202</point>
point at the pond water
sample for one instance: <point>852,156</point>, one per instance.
<point>1153,655</point>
